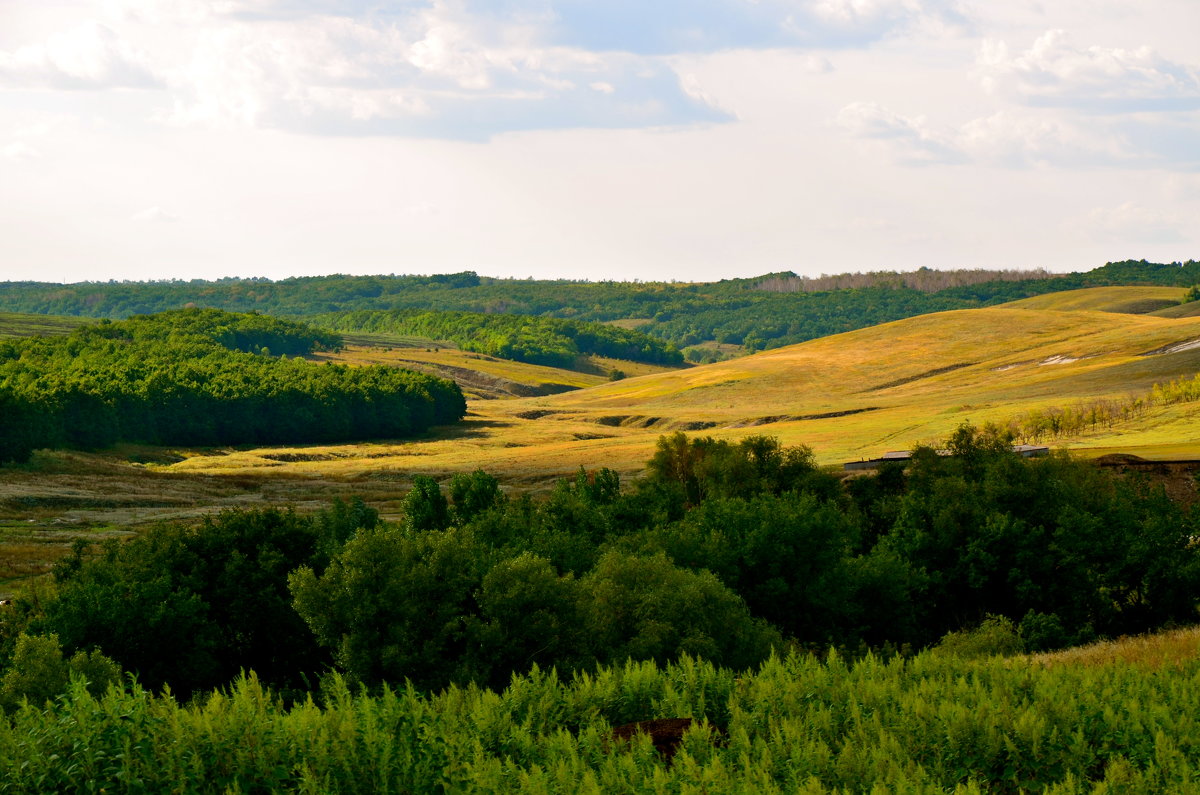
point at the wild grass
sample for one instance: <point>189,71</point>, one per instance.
<point>30,548</point>
<point>23,325</point>
<point>1128,300</point>
<point>1170,649</point>
<point>801,723</point>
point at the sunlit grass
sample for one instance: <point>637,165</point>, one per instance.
<point>1134,300</point>
<point>912,381</point>
<point>1172,648</point>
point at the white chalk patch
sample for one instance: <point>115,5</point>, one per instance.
<point>1178,347</point>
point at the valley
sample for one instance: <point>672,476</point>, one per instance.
<point>848,397</point>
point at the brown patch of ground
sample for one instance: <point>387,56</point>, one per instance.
<point>1178,478</point>
<point>665,733</point>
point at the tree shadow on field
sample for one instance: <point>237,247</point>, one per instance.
<point>470,429</point>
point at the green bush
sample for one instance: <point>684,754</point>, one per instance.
<point>996,636</point>
<point>39,672</point>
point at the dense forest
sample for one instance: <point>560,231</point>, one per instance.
<point>203,377</point>
<point>539,340</point>
<point>644,601</point>
<point>750,312</point>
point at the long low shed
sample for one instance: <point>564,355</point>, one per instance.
<point>902,456</point>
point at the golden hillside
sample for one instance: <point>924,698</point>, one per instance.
<point>849,396</point>
<point>1128,300</point>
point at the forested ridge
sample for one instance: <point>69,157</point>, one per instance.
<point>747,312</point>
<point>203,377</point>
<point>539,340</point>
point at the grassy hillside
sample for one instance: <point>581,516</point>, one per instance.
<point>849,396</point>
<point>1127,300</point>
<point>1190,309</point>
<point>14,324</point>
<point>481,376</point>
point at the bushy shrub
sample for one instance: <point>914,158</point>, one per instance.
<point>996,636</point>
<point>39,672</point>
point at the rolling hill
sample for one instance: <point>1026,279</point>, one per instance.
<point>1125,300</point>
<point>849,396</point>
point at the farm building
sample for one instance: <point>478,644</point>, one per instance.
<point>1023,450</point>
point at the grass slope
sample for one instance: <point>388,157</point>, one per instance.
<point>849,396</point>
<point>1127,300</point>
<point>13,324</point>
<point>480,376</point>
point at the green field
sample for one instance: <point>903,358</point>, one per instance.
<point>1114,716</point>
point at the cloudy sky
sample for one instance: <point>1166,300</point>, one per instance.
<point>651,139</point>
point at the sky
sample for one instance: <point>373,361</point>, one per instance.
<point>594,139</point>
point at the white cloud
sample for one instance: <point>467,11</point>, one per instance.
<point>437,73</point>
<point>911,138</point>
<point>1132,223</point>
<point>858,22</point>
<point>19,150</point>
<point>1018,139</point>
<point>91,56</point>
<point>817,65</point>
<point>154,215</point>
<point>860,12</point>
<point>1015,139</point>
<point>1053,71</point>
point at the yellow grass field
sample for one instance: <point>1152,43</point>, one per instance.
<point>849,396</point>
<point>480,376</point>
<point>1171,648</point>
<point>1127,300</point>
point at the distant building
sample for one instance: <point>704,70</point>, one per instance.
<point>902,456</point>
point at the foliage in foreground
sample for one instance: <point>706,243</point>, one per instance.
<point>797,724</point>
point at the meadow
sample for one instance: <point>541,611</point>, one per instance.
<point>849,396</point>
